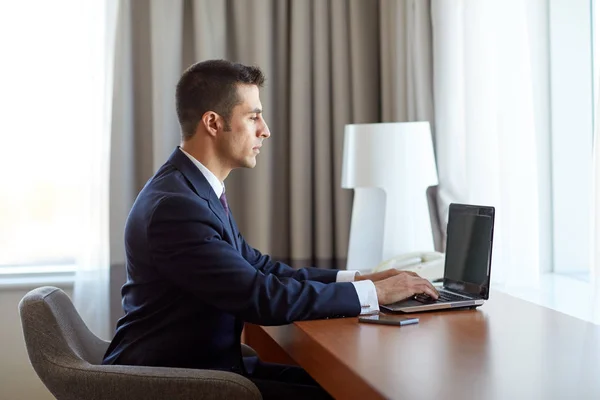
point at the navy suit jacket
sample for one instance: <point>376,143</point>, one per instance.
<point>192,280</point>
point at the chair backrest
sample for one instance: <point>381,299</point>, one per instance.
<point>55,334</point>
<point>439,239</point>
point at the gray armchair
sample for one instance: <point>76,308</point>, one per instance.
<point>67,358</point>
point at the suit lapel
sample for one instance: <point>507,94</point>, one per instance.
<point>202,188</point>
<point>234,231</point>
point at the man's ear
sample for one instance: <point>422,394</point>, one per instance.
<point>212,122</point>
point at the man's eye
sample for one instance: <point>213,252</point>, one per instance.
<point>254,118</point>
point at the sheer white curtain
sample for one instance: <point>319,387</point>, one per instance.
<point>595,270</point>
<point>91,292</point>
<point>486,125</point>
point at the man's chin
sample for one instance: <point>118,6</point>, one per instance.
<point>250,163</point>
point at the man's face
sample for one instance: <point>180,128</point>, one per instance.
<point>239,146</point>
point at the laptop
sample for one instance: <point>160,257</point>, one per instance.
<point>467,267</point>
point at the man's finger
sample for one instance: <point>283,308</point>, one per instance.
<point>431,286</point>
<point>427,288</point>
<point>430,292</point>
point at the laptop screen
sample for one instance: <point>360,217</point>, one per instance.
<point>468,249</point>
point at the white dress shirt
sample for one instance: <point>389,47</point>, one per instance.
<point>367,294</point>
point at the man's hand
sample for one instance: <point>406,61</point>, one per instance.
<point>402,285</point>
<point>378,276</point>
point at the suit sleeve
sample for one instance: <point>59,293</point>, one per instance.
<point>187,248</point>
<point>266,265</point>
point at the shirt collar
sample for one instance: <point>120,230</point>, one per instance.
<point>215,183</point>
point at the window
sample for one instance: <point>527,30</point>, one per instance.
<point>47,100</point>
<point>572,116</point>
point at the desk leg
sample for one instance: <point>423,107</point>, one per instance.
<point>265,346</point>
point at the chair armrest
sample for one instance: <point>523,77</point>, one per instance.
<point>248,351</point>
<point>104,382</point>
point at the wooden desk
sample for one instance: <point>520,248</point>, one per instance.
<point>507,349</point>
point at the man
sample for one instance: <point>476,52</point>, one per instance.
<point>192,280</point>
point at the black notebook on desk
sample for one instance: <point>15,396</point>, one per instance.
<point>468,263</point>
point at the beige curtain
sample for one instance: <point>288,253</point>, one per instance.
<point>328,63</point>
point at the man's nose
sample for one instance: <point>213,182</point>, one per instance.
<point>265,132</point>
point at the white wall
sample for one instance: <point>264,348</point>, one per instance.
<point>18,380</point>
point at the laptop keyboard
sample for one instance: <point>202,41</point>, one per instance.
<point>445,297</point>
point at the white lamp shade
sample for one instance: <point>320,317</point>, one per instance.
<point>389,166</point>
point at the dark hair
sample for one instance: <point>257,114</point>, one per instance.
<point>211,86</point>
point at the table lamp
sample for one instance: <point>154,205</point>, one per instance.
<point>389,166</point>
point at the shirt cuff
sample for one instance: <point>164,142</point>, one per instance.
<point>346,276</point>
<point>367,296</point>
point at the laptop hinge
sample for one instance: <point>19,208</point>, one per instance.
<point>461,293</point>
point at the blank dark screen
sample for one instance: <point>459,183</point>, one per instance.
<point>468,248</point>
